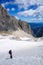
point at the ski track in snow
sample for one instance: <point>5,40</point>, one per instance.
<point>24,52</point>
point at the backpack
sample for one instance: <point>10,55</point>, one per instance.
<point>10,52</point>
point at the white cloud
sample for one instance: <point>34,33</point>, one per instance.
<point>26,3</point>
<point>27,13</point>
<point>19,1</point>
<point>23,3</point>
<point>31,12</point>
<point>39,11</point>
<point>12,9</point>
<point>36,14</point>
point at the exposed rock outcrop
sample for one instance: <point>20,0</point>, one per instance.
<point>8,22</point>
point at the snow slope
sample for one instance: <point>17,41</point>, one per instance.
<point>24,52</point>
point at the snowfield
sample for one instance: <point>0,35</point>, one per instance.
<point>24,52</point>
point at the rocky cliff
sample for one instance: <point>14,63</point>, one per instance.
<point>8,22</point>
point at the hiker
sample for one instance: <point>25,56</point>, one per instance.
<point>10,53</point>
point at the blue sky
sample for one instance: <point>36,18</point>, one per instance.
<point>28,10</point>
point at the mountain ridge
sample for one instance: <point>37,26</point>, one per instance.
<point>10,23</point>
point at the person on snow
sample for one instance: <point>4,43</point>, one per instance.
<point>10,53</point>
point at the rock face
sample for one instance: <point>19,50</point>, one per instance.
<point>4,19</point>
<point>8,22</point>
